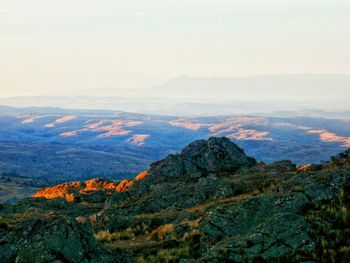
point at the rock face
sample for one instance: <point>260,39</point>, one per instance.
<point>309,167</point>
<point>49,237</point>
<point>275,226</point>
<point>81,191</point>
<point>203,157</point>
<point>74,190</point>
<point>264,227</point>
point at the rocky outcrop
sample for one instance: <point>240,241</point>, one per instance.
<point>273,226</point>
<point>79,191</point>
<point>49,237</point>
<point>74,190</point>
<point>127,184</point>
<point>193,171</point>
<point>186,179</point>
<point>309,167</point>
<point>265,227</point>
<point>215,155</point>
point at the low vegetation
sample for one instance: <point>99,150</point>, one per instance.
<point>198,206</point>
<point>331,228</point>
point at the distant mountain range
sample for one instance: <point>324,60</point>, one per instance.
<point>322,95</point>
<point>297,87</point>
<point>303,87</point>
<point>61,144</point>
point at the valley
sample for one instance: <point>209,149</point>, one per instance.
<point>63,145</point>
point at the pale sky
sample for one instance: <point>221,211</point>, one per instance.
<point>52,46</point>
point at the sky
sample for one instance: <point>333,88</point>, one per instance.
<point>57,46</point>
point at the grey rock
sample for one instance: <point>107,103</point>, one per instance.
<point>46,238</point>
<point>265,226</point>
<point>203,156</point>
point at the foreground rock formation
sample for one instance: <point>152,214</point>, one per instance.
<point>74,190</point>
<point>209,203</point>
<point>85,191</point>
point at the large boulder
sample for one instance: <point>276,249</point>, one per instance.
<point>203,157</point>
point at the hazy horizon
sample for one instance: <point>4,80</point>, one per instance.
<point>63,46</point>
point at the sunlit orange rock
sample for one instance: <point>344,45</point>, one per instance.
<point>309,167</point>
<point>142,175</point>
<point>304,168</point>
<point>71,191</point>
<point>127,184</point>
<point>99,184</point>
<point>62,190</point>
<point>70,197</point>
<point>123,186</point>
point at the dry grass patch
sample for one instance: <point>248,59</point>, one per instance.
<point>161,232</point>
<point>106,237</point>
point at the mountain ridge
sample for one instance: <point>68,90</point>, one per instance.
<point>290,86</point>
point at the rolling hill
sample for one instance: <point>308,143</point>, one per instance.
<point>62,145</point>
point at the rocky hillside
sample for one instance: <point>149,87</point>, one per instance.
<point>209,203</point>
